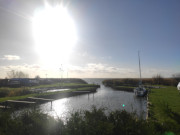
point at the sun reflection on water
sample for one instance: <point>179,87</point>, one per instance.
<point>58,109</point>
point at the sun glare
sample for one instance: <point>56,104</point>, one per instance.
<point>54,33</point>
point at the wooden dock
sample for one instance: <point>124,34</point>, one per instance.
<point>20,103</point>
<point>17,101</point>
<point>40,99</point>
<point>4,107</point>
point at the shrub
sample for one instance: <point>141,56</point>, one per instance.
<point>4,92</point>
<point>94,122</point>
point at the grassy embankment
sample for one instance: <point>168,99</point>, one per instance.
<point>164,107</point>
<point>63,85</point>
<point>123,88</point>
<point>121,84</point>
<point>24,92</point>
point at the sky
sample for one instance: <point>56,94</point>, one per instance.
<point>109,35</point>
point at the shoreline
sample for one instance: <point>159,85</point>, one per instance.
<point>49,95</point>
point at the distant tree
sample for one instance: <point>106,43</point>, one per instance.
<point>157,79</point>
<point>176,76</point>
<point>37,77</point>
<point>17,74</point>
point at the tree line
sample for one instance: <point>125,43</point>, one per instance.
<point>155,80</point>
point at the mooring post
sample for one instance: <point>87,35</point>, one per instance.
<point>34,107</point>
<point>51,104</point>
<point>6,104</point>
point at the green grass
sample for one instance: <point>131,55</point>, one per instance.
<point>71,90</point>
<point>8,88</point>
<point>19,93</point>
<point>16,97</point>
<point>125,87</point>
<point>61,85</point>
<point>169,96</point>
<point>165,106</point>
<point>10,92</point>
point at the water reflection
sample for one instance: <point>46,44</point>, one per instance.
<point>105,97</point>
<point>57,109</point>
<point>55,90</point>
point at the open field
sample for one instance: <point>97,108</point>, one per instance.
<point>165,106</point>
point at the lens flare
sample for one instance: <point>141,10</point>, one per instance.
<point>54,34</point>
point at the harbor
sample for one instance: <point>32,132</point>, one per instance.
<point>105,97</point>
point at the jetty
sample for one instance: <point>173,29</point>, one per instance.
<point>20,102</point>
<point>4,107</point>
<point>16,103</point>
<point>40,99</point>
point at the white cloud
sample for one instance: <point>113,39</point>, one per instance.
<point>90,70</point>
<point>150,72</point>
<point>11,57</point>
<point>99,70</point>
<point>31,70</point>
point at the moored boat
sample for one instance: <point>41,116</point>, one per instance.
<point>141,90</point>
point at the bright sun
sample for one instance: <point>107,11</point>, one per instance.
<point>54,33</point>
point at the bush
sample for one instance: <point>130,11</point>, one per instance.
<point>29,123</point>
<point>94,122</point>
<point>4,92</point>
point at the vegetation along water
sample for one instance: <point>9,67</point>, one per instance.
<point>88,113</point>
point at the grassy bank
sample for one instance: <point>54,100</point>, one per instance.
<point>119,84</point>
<point>21,93</point>
<point>123,88</point>
<point>63,85</point>
<point>53,95</point>
<point>10,92</point>
<point>146,81</point>
<point>165,107</point>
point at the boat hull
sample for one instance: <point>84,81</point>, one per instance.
<point>140,92</point>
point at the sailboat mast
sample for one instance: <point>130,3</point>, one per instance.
<point>139,68</point>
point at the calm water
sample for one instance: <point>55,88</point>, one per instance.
<point>104,97</point>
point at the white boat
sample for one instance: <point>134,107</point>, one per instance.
<point>141,90</point>
<point>178,86</point>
